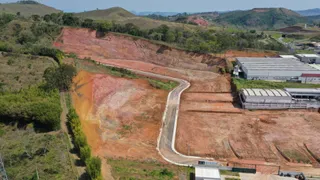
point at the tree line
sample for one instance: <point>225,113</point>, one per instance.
<point>93,164</point>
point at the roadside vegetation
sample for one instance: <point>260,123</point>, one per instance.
<point>242,83</point>
<point>128,169</point>
<point>93,164</point>
<point>121,72</point>
<point>229,173</point>
<point>165,85</point>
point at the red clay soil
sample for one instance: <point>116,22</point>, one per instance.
<point>207,97</point>
<point>251,135</point>
<point>192,106</point>
<point>84,43</point>
<point>200,21</point>
<point>120,117</point>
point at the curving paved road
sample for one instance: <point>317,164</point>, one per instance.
<point>167,136</point>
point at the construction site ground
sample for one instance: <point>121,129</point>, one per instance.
<point>210,123</point>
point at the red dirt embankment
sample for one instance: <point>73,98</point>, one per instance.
<point>198,20</point>
<point>120,117</point>
<point>85,43</point>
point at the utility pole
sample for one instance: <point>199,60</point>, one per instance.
<point>3,173</point>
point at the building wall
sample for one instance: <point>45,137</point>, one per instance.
<point>310,80</point>
<point>310,60</point>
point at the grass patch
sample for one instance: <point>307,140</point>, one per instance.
<point>2,131</point>
<point>296,156</point>
<point>229,178</point>
<point>242,83</point>
<point>304,51</point>
<point>21,71</point>
<point>129,169</point>
<point>168,85</point>
<point>24,151</point>
<point>228,173</point>
<point>276,35</point>
<point>93,66</point>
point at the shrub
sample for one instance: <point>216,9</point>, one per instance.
<point>94,168</point>
<point>93,163</point>
<point>85,153</point>
<point>60,78</point>
<point>5,47</point>
<point>32,105</point>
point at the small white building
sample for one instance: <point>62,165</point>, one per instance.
<point>207,173</point>
<point>288,56</point>
<point>309,58</point>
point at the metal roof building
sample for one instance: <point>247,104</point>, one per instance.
<point>280,98</point>
<point>280,69</point>
<point>207,173</point>
<point>265,96</point>
<point>288,56</point>
<point>309,58</point>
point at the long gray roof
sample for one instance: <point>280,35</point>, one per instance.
<point>278,64</point>
<point>266,92</point>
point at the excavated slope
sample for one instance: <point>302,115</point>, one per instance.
<point>88,43</point>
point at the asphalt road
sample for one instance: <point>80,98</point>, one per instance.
<point>167,136</point>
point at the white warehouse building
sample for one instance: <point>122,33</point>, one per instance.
<point>309,58</point>
<point>277,69</point>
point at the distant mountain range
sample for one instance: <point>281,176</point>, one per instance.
<point>310,12</point>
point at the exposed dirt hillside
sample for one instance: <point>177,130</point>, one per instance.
<point>120,117</point>
<point>198,20</point>
<point>84,43</point>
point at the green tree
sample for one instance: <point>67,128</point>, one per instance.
<point>35,17</point>
<point>94,168</point>
<point>85,153</point>
<point>104,26</point>
<point>87,23</point>
<point>26,36</point>
<point>60,78</point>
<point>6,18</point>
<point>170,36</point>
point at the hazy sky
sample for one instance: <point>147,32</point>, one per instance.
<point>176,5</point>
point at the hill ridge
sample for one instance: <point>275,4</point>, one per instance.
<point>27,8</point>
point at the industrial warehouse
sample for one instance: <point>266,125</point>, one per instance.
<point>277,69</point>
<point>288,98</point>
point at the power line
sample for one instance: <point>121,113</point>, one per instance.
<point>3,173</point>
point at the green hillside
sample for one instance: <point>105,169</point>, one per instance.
<point>314,18</point>
<point>27,8</point>
<point>263,18</point>
<point>114,13</point>
<point>123,16</point>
